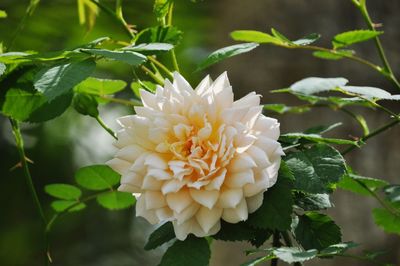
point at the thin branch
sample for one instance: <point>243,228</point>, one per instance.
<point>161,66</point>
<point>106,128</point>
<point>152,75</point>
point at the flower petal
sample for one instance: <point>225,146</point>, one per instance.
<point>239,179</point>
<point>207,218</point>
<point>180,200</point>
<point>255,202</point>
<point>154,200</point>
<point>230,198</point>
<point>207,198</point>
<point>235,215</point>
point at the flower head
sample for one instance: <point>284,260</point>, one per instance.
<point>197,156</point>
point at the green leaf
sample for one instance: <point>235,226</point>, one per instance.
<point>58,80</point>
<point>316,138</point>
<point>161,235</point>
<point>316,168</point>
<point>312,85</point>
<point>282,108</point>
<point>100,86</point>
<point>387,220</point>
<point>368,92</point>
<point>147,85</point>
<point>159,34</point>
<point>317,231</point>
<point>2,69</point>
<point>294,254</point>
<point>116,200</point>
<point>306,40</point>
<point>338,248</point>
<point>193,251</point>
<point>97,177</point>
<point>276,209</point>
<point>254,36</point>
<point>333,55</point>
<point>63,191</point>
<point>349,182</point>
<point>355,36</point>
<point>150,47</point>
<point>280,36</point>
<point>235,232</point>
<point>321,129</point>
<point>63,205</point>
<point>32,106</point>
<point>129,57</point>
<point>312,202</point>
<point>256,261</point>
<point>226,52</point>
<point>392,193</point>
<point>3,14</point>
<point>86,104</point>
<point>262,235</point>
<point>160,8</point>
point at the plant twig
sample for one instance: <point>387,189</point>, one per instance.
<point>161,66</point>
<point>275,243</point>
<point>24,163</point>
<point>103,125</point>
<point>152,75</point>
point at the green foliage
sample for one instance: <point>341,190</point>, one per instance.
<point>312,202</point>
<point>150,48</point>
<point>236,232</point>
<point>276,209</point>
<point>2,68</point>
<point>86,104</point>
<point>316,138</point>
<point>63,191</point>
<point>350,37</point>
<point>60,79</point>
<point>282,108</point>
<point>67,205</point>
<point>97,177</point>
<point>161,235</point>
<point>255,36</point>
<point>225,53</point>
<point>116,200</point>
<point>392,193</point>
<point>159,34</point>
<point>333,54</point>
<point>387,219</point>
<point>129,57</point>
<point>98,86</point>
<point>313,85</point>
<point>147,85</point>
<point>3,14</point>
<point>360,185</point>
<point>160,8</point>
<point>316,168</point>
<point>306,40</point>
<point>193,251</point>
<point>294,254</point>
<point>317,231</point>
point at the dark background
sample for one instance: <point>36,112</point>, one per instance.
<point>59,147</point>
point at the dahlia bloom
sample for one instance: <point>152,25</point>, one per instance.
<point>197,156</point>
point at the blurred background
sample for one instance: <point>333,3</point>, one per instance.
<point>61,146</point>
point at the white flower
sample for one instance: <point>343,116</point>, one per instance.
<point>197,156</point>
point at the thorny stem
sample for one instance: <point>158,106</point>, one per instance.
<point>103,125</point>
<point>362,6</point>
<point>117,16</point>
<point>152,75</point>
<point>372,134</point>
<point>24,163</point>
<point>160,65</point>
<point>275,243</point>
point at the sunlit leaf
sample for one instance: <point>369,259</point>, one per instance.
<point>388,220</point>
<point>254,36</point>
<point>160,8</point>
<point>312,202</point>
<point>349,182</point>
<point>159,34</point>
<point>97,177</point>
<point>294,254</point>
<point>100,86</point>
<point>129,57</point>
<point>116,200</point>
<point>314,85</point>
<point>58,80</point>
<point>63,205</point>
<point>355,36</point>
<point>306,40</point>
<point>63,191</point>
<point>225,53</point>
<point>3,14</point>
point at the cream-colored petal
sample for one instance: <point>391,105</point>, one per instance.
<point>172,186</point>
<point>130,153</point>
<point>241,162</point>
<point>251,99</point>
<point>217,181</point>
<point>159,174</point>
<point>259,156</point>
<point>120,166</point>
<point>129,188</point>
<point>156,160</point>
<point>273,171</point>
<point>148,99</point>
<point>187,213</point>
<point>150,183</point>
<point>164,214</point>
<point>141,210</point>
<point>239,179</point>
<point>132,178</point>
<point>179,201</point>
<point>260,185</point>
<point>207,218</point>
<point>207,198</point>
<point>255,202</point>
<point>154,200</point>
<point>126,121</point>
<point>230,198</point>
<point>237,214</point>
<point>269,127</point>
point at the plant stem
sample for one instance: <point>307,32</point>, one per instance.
<point>362,6</point>
<point>103,125</point>
<point>288,243</point>
<point>20,147</point>
<point>152,75</point>
<point>275,243</point>
<point>161,66</point>
<point>121,101</point>
<point>373,134</point>
<point>169,23</point>
<point>117,17</point>
<point>29,12</point>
